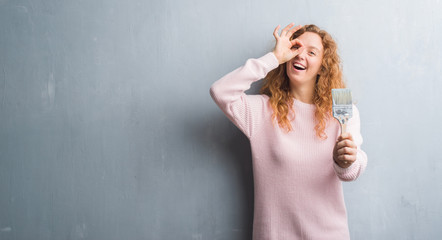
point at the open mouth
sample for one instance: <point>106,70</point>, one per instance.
<point>299,67</point>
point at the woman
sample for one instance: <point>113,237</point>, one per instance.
<point>299,155</point>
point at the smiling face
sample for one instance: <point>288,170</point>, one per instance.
<point>304,68</point>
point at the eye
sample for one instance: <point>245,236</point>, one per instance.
<point>312,53</point>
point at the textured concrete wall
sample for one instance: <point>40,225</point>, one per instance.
<point>107,129</point>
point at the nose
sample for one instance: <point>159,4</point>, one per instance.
<point>301,55</point>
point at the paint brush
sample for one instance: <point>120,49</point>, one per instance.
<point>342,106</point>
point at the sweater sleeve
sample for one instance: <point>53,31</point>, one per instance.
<point>228,92</point>
<point>357,168</point>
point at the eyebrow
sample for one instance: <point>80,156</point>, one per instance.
<point>314,48</point>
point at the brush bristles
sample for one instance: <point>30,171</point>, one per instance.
<point>341,96</point>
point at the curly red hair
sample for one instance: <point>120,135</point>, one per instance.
<point>277,85</point>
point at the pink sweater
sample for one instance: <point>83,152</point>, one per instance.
<point>298,192</point>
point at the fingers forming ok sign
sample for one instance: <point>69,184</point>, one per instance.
<point>286,49</point>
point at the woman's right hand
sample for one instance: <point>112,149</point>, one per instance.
<point>284,48</point>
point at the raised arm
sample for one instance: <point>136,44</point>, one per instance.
<point>228,92</point>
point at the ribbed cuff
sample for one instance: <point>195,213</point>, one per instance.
<point>345,171</point>
<point>270,61</point>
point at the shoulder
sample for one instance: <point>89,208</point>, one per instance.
<point>259,103</point>
<point>356,113</point>
<point>258,99</point>
<point>355,109</point>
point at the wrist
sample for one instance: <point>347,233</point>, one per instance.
<point>277,57</point>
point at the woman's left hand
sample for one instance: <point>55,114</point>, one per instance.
<point>344,153</point>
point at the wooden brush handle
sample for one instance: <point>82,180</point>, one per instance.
<point>343,128</point>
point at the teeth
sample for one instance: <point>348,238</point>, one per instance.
<point>299,66</point>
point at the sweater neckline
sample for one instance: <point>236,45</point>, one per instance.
<point>303,105</point>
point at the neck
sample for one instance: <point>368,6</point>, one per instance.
<point>304,92</point>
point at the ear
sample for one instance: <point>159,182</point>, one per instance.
<point>321,70</point>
